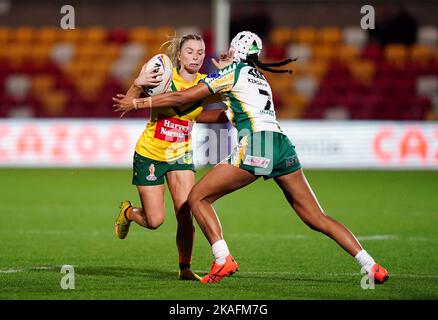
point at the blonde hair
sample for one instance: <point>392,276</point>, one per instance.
<point>175,44</point>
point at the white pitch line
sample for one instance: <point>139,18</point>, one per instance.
<point>11,270</point>
<point>378,237</point>
<point>287,236</point>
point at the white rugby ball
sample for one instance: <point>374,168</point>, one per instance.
<point>163,64</point>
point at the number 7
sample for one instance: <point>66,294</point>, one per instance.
<point>268,103</point>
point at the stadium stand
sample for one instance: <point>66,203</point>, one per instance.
<point>49,72</point>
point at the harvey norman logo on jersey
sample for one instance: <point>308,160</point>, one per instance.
<point>172,130</point>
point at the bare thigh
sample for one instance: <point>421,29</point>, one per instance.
<point>180,183</point>
<point>152,201</point>
<point>301,197</point>
<point>219,181</point>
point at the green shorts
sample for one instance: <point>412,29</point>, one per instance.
<point>265,153</point>
<point>149,172</point>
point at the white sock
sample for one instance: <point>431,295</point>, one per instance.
<point>365,260</point>
<point>220,251</point>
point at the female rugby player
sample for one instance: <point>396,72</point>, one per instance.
<point>263,150</point>
<point>165,150</point>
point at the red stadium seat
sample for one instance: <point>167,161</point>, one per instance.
<point>372,52</point>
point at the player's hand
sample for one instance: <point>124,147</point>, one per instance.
<point>149,78</point>
<point>225,59</point>
<point>123,104</point>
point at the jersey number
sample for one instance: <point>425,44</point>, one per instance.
<point>268,103</point>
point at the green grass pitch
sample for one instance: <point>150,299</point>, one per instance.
<point>55,217</point>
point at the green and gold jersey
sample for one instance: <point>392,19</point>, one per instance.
<point>167,136</point>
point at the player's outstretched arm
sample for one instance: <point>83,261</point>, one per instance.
<point>133,92</point>
<point>125,104</point>
<point>212,116</point>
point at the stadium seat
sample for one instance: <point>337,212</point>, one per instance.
<point>301,51</point>
<point>71,35</point>
<point>330,35</point>
<point>434,101</point>
<point>385,69</point>
<point>354,36</point>
<point>336,113</point>
<point>338,70</point>
<point>293,105</point>
<point>39,54</point>
<point>16,51</point>
<point>54,104</point>
<point>23,35</point>
<point>88,51</point>
<point>346,53</point>
<point>416,108</point>
<point>305,85</point>
<point>427,86</point>
<point>427,35</point>
<point>281,36</point>
<point>119,36</point>
<point>140,34</point>
<point>324,53</point>
<point>163,34</point>
<point>363,71</point>
<point>273,52</point>
<point>41,84</point>
<point>396,53</point>
<point>48,35</point>
<point>95,35</point>
<point>421,54</point>
<point>306,35</point>
<point>124,70</point>
<point>436,54</point>
<point>279,83</point>
<point>372,52</point>
<point>5,35</point>
<point>132,51</point>
<point>62,53</point>
<point>112,51</point>
<point>432,115</point>
<point>317,69</point>
<point>17,85</point>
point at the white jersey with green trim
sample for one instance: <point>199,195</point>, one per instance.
<point>247,95</point>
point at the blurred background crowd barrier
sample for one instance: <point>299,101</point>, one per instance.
<point>343,72</point>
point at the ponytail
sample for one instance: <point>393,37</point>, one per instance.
<point>253,60</point>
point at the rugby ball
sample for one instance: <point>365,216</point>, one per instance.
<point>161,63</point>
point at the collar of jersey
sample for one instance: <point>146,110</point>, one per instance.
<point>179,80</point>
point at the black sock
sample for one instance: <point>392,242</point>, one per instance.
<point>124,213</point>
<point>183,266</point>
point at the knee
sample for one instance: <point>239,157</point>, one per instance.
<point>154,223</point>
<point>193,198</point>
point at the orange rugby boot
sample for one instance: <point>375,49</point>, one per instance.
<point>380,274</point>
<point>218,271</point>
